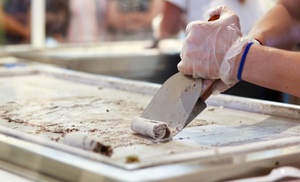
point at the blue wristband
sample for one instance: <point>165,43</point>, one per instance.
<point>239,76</point>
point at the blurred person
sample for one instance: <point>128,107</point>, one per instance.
<point>57,20</point>
<point>15,15</point>
<point>132,17</point>
<point>87,21</point>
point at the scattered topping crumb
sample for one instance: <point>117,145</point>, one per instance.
<point>132,159</point>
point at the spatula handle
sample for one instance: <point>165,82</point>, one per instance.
<point>215,17</point>
<point>208,91</point>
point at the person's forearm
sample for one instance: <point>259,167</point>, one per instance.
<point>273,68</point>
<point>11,25</point>
<point>280,26</point>
<point>171,22</point>
<point>113,17</point>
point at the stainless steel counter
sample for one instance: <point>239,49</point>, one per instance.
<point>127,59</point>
<point>234,137</point>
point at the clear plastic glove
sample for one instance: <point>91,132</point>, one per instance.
<point>210,49</point>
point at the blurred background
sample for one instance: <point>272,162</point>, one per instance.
<point>133,39</point>
<point>79,21</point>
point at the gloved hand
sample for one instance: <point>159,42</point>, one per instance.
<point>210,49</point>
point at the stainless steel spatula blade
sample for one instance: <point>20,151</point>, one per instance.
<point>174,103</point>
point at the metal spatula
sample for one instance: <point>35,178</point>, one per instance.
<point>177,103</point>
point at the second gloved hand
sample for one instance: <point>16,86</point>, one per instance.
<point>210,49</point>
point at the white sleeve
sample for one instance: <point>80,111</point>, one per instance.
<point>179,3</point>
